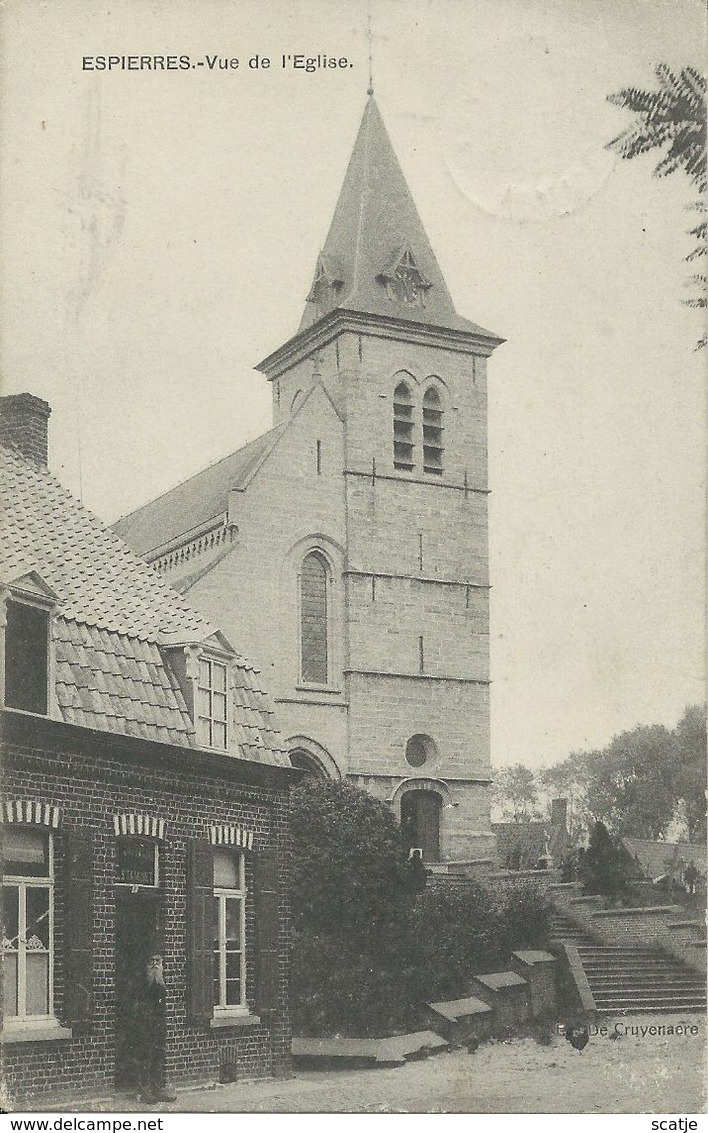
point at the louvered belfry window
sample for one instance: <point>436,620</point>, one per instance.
<point>403,428</point>
<point>313,619</point>
<point>432,432</point>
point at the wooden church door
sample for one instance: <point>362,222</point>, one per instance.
<point>420,822</point>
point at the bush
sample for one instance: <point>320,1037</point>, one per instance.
<point>369,946</point>
<point>525,919</point>
<point>350,870</point>
<point>606,867</point>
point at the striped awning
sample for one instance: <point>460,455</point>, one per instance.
<point>145,824</point>
<point>231,836</point>
<point>29,811</point>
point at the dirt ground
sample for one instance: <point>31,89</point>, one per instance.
<point>629,1074</point>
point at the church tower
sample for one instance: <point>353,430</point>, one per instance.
<point>407,377</point>
<point>346,548</point>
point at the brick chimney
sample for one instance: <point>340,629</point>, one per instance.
<point>23,423</point>
<point>559,812</point>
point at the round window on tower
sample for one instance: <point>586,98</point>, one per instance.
<point>419,750</point>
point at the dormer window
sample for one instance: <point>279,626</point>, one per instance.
<point>405,282</point>
<point>325,286</point>
<point>27,657</point>
<point>212,700</point>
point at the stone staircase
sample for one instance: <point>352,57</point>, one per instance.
<point>628,979</point>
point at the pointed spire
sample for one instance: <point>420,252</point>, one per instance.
<point>377,258</point>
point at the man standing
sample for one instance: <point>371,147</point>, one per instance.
<point>149,1016</point>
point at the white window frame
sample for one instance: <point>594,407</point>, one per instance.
<point>199,717</point>
<point>22,884</point>
<point>222,894</point>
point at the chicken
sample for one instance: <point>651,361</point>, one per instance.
<point>577,1036</point>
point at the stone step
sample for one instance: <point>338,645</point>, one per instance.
<point>671,1008</point>
<point>675,1007</point>
<point>658,1000</point>
<point>630,977</point>
<point>629,987</point>
<point>679,975</point>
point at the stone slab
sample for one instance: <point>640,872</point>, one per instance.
<point>418,1044</point>
<point>456,1009</point>
<point>393,1050</point>
<point>533,956</point>
<point>499,981</point>
<point>329,1049</point>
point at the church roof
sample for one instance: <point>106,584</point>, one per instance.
<point>194,502</point>
<point>116,621</point>
<point>376,228</point>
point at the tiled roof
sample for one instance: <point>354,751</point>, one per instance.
<point>114,683</point>
<point>193,502</point>
<point>114,619</point>
<point>98,578</point>
<point>658,858</point>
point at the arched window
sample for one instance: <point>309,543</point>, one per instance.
<point>314,667</point>
<point>432,432</point>
<point>306,761</point>
<point>403,428</point>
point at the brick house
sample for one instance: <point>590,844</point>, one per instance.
<point>348,546</point>
<point>145,806</point>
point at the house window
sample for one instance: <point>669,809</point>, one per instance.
<point>229,969</point>
<point>403,428</point>
<point>313,619</point>
<point>26,657</point>
<point>27,940</point>
<point>432,432</point>
<point>212,701</point>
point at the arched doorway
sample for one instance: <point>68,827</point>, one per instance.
<point>420,822</point>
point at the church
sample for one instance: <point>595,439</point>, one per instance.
<point>346,549</point>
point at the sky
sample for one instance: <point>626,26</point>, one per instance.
<point>160,232</point>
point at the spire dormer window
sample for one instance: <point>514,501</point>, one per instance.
<point>325,286</point>
<point>404,281</point>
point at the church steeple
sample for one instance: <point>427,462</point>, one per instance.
<point>377,259</point>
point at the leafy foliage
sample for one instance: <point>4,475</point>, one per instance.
<point>369,945</point>
<point>515,791</point>
<point>642,781</point>
<point>605,866</point>
<point>673,119</point>
<point>349,864</point>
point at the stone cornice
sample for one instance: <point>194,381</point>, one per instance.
<point>379,326</point>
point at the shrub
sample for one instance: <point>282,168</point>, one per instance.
<point>369,945</point>
<point>350,869</point>
<point>524,919</point>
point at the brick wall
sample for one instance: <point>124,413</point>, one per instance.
<point>89,790</point>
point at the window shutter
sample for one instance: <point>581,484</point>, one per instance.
<point>78,926</point>
<point>266,909</point>
<point>201,931</point>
